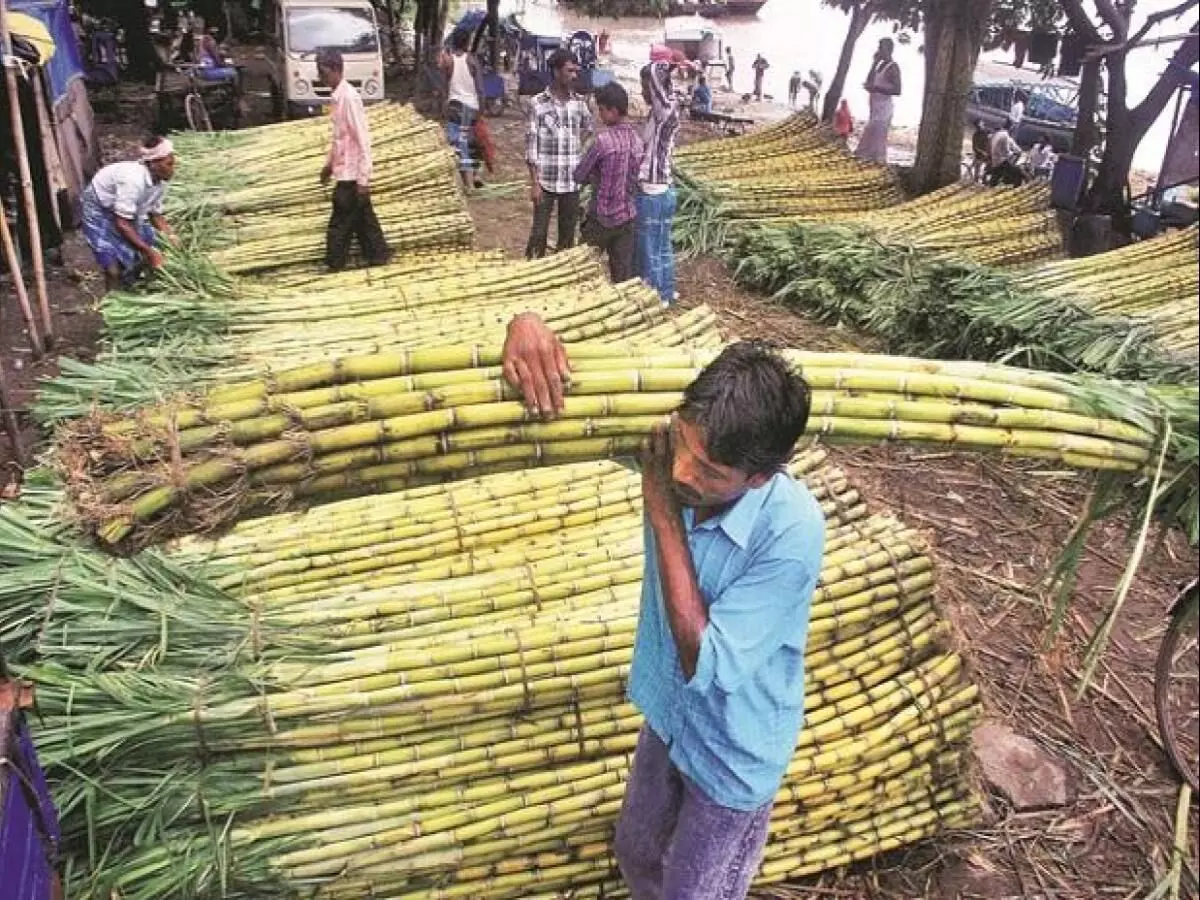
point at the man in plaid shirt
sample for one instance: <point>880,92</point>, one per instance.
<point>558,122</point>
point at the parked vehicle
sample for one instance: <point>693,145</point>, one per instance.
<point>1050,110</point>
<point>698,39</point>
<point>297,29</point>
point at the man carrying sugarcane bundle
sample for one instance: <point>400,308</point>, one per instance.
<point>349,165</point>
<point>733,551</point>
<point>123,212</point>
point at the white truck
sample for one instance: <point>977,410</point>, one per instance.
<point>301,28</point>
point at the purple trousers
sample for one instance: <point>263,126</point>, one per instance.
<point>674,843</point>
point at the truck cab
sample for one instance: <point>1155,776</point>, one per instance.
<point>297,29</point>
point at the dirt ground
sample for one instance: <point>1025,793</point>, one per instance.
<point>994,526</point>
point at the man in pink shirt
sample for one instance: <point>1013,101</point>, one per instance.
<point>349,164</point>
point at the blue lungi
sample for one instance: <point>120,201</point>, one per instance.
<point>655,253</point>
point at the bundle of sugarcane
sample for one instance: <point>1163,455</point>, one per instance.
<point>792,170</point>
<point>990,226</point>
<point>261,213</point>
<point>391,419</point>
<point>421,695</point>
<point>162,343</point>
<point>1154,282</point>
<point>943,304</point>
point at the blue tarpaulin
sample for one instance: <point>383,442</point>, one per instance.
<point>67,62</point>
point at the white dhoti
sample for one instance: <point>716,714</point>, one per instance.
<point>872,146</point>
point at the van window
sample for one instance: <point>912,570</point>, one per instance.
<point>349,29</point>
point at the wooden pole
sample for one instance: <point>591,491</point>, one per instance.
<point>54,169</point>
<point>14,269</point>
<point>10,419</point>
<point>18,128</point>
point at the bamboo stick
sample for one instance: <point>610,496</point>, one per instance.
<point>18,128</point>
<point>13,260</point>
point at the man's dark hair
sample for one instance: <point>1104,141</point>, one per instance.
<point>151,141</point>
<point>751,405</point>
<point>560,58</point>
<point>329,58</point>
<point>460,40</point>
<point>613,96</point>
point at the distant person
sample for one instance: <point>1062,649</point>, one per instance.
<point>843,122</point>
<point>1017,112</point>
<point>349,165</point>
<point>1042,157</point>
<point>559,120</point>
<point>656,195</point>
<point>123,213</point>
<point>702,98</point>
<point>1004,153</point>
<point>794,85</point>
<point>981,150</point>
<point>760,67</point>
<point>729,68</point>
<point>464,99</point>
<point>883,86</point>
<point>611,165</point>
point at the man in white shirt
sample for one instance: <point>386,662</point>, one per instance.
<point>1042,157</point>
<point>123,212</point>
<point>1004,154</point>
<point>1017,113</point>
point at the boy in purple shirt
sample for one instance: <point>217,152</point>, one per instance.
<point>611,164</point>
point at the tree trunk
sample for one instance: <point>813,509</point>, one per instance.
<point>860,15</point>
<point>1125,129</point>
<point>954,32</point>
<point>1107,195</point>
<point>1085,137</point>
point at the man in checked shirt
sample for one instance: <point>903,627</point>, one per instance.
<point>558,122</point>
<point>349,164</point>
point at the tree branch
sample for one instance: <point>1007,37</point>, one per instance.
<point>1161,16</point>
<point>1185,56</point>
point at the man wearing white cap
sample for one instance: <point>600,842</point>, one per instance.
<point>123,212</point>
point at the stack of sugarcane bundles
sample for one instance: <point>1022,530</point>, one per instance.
<point>791,170</point>
<point>421,695</point>
<point>258,206</point>
<point>391,420</point>
<point>1130,313</point>
<point>160,343</point>
<point>1152,282</point>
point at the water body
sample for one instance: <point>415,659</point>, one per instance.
<point>803,34</point>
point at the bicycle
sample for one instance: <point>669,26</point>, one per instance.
<point>194,109</point>
<point>1177,685</point>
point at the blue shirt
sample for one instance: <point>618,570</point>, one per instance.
<point>702,98</point>
<point>732,729</point>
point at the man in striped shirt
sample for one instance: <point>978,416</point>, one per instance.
<point>559,121</point>
<point>349,165</point>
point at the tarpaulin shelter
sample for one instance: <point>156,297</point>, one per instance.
<point>71,120</point>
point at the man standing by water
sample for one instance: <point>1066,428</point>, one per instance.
<point>794,85</point>
<point>882,86</point>
<point>349,165</point>
<point>729,67</point>
<point>733,551</point>
<point>656,195</point>
<point>559,120</point>
<point>760,69</point>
